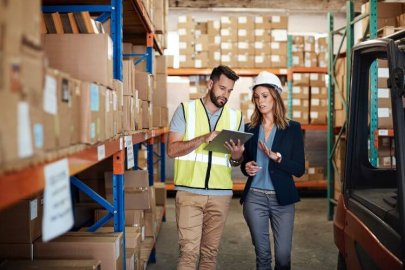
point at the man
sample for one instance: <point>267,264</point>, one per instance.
<point>203,178</point>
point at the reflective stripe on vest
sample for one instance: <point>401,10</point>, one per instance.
<point>200,168</point>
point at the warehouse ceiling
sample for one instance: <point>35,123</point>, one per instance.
<point>283,5</point>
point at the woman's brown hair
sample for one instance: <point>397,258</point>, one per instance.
<point>279,111</point>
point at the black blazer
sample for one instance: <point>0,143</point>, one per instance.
<point>289,142</point>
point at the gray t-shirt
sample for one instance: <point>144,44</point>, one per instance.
<point>178,124</point>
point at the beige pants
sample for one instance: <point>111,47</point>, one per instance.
<point>200,222</point>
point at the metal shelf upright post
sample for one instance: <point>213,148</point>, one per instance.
<point>373,87</point>
<point>348,34</point>
<point>289,76</point>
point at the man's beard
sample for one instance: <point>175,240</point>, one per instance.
<point>214,99</point>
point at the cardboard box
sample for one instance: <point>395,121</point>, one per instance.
<point>317,79</point>
<point>262,61</point>
<point>201,59</point>
<point>136,189</point>
<point>186,60</point>
<point>262,22</point>
<point>132,235</point>
<point>160,193</point>
<point>85,57</point>
<point>75,112</point>
<point>298,59</point>
<point>301,116</point>
<point>246,48</point>
<point>319,92</point>
<point>310,59</point>
<point>128,79</point>
<point>300,92</point>
<point>318,117</point>
<point>279,35</point>
<point>90,112</point>
<point>278,61</point>
<point>161,64</point>
<point>262,35</point>
<point>322,44</point>
<point>130,257</point>
<point>22,222</point>
<point>385,118</point>
<point>143,83</point>
<point>50,105</point>
<point>279,48</point>
<point>64,95</point>
<point>245,61</point>
<point>105,247</point>
<point>300,79</point>
<point>279,22</point>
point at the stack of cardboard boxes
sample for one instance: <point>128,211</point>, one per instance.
<point>238,42</point>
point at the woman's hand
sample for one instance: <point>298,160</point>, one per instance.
<point>252,168</point>
<point>267,151</point>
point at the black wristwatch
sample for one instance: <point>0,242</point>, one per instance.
<point>235,163</point>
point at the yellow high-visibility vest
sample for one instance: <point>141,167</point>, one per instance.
<point>200,168</point>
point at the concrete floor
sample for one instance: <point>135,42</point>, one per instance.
<point>313,246</point>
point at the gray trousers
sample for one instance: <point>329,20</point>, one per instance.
<point>258,210</point>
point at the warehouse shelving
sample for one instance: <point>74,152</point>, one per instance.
<point>239,71</point>
<point>347,33</point>
<point>131,23</point>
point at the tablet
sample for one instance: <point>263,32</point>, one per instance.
<point>218,143</point>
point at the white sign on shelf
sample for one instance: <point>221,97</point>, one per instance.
<point>121,143</point>
<point>101,152</point>
<point>130,157</point>
<point>58,214</point>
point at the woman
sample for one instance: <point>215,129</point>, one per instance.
<point>271,157</point>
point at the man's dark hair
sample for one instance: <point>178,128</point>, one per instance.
<point>228,72</point>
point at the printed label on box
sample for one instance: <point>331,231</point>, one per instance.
<point>226,58</point>
<point>259,45</point>
<point>242,32</point>
<point>128,141</point>
<point>275,58</point>
<point>183,45</point>
<point>383,73</point>
<point>314,115</point>
<point>259,59</point>
<point>243,45</point>
<point>198,47</point>
<point>311,170</point>
<point>225,19</point>
<point>225,32</point>
<point>217,40</point>
<point>198,63</point>
<point>296,89</point>
<point>296,60</point>
<point>313,76</point>
<point>216,24</point>
<point>296,102</point>
<point>94,98</point>
<point>242,20</point>
<point>182,19</point>
<point>259,19</point>
<point>38,136</point>
<point>275,19</point>
<point>275,45</point>
<point>25,148</point>
<point>315,102</point>
<point>383,93</point>
<point>297,77</point>
<point>315,90</point>
<point>242,58</point>
<point>296,114</point>
<point>58,214</point>
<point>50,97</point>
<point>226,46</point>
<point>383,112</point>
<point>259,32</point>
<point>182,32</point>
<point>117,248</point>
<point>33,209</point>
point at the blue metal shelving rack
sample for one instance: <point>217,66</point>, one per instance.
<point>117,209</point>
<point>348,35</point>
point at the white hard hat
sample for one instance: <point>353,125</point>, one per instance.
<point>268,78</point>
